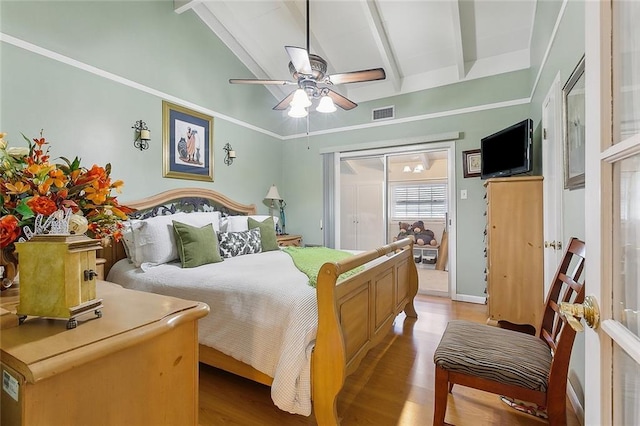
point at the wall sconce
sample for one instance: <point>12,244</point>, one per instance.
<point>229,155</point>
<point>143,135</point>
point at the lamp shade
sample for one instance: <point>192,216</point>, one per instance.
<point>273,194</point>
<point>326,105</point>
<point>297,112</point>
<point>300,99</point>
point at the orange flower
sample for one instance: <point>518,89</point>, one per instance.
<point>17,188</point>
<point>58,178</point>
<point>9,230</point>
<point>42,205</point>
<point>31,186</point>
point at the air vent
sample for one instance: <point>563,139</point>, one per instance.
<point>385,113</point>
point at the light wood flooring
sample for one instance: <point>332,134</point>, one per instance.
<point>393,386</point>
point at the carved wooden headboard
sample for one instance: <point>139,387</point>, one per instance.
<point>174,201</point>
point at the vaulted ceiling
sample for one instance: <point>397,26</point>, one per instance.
<point>420,43</point>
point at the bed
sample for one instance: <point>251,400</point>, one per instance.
<point>336,323</point>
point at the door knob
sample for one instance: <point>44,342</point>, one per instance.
<point>588,310</point>
<point>555,244</point>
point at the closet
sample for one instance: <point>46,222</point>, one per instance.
<point>362,218</point>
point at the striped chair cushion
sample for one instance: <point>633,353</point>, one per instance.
<point>494,353</point>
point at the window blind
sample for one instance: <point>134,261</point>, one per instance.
<point>419,200</point>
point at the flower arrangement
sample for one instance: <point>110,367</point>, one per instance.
<point>32,187</point>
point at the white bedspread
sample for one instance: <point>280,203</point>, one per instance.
<point>263,313</point>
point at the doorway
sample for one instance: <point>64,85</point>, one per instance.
<point>387,195</point>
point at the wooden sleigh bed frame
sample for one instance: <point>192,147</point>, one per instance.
<point>353,315</point>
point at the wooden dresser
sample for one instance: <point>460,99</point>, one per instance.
<point>514,252</point>
<point>136,365</point>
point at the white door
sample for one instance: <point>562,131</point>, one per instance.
<point>362,203</point>
<point>552,184</point>
<point>612,202</point>
<point>348,208</point>
<point>370,229</point>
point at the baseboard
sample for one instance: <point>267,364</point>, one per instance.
<point>575,403</point>
<point>471,299</point>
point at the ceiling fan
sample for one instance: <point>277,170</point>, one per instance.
<point>309,73</point>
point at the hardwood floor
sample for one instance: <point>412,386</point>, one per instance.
<point>393,386</point>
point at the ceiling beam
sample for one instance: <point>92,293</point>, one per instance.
<point>457,34</point>
<point>232,43</point>
<point>180,6</point>
<point>379,35</point>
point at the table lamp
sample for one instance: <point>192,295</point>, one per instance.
<point>272,195</point>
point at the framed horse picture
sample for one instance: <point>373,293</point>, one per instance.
<point>187,143</point>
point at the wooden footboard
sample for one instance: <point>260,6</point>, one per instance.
<point>355,314</point>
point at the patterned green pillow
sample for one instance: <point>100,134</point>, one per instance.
<point>267,233</point>
<point>196,246</point>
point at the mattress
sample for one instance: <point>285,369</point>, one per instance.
<point>263,312</point>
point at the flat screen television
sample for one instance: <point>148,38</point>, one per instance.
<point>507,152</point>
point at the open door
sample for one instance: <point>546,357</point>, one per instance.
<point>612,352</point>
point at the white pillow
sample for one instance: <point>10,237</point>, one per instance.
<point>128,239</point>
<point>155,240</point>
<point>200,219</point>
<point>241,223</point>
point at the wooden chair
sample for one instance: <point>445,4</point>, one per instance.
<point>512,364</point>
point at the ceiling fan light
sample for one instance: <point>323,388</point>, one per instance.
<point>406,169</point>
<point>300,99</point>
<point>326,105</point>
<point>297,111</point>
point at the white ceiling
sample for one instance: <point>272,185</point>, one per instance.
<point>419,43</point>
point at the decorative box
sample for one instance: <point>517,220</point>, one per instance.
<point>57,277</point>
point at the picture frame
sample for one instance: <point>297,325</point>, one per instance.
<point>471,162</point>
<point>187,143</point>
<point>573,119</point>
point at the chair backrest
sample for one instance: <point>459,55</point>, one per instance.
<point>555,330</point>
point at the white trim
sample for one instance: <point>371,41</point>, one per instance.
<point>126,82</point>
<point>6,38</point>
<point>623,338</point>
<point>388,145</point>
<point>551,40</point>
<point>575,403</point>
<point>430,116</point>
<point>468,298</point>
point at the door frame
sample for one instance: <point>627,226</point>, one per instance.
<point>450,225</point>
<point>553,183</point>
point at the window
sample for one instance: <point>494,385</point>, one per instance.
<point>419,201</point>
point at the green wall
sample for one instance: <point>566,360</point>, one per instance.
<point>91,115</point>
<point>566,51</point>
<point>84,112</point>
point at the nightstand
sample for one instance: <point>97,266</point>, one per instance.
<point>286,240</point>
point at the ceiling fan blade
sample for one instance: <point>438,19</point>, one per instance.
<point>283,104</point>
<point>358,76</point>
<point>300,59</point>
<point>341,101</point>
<point>254,81</point>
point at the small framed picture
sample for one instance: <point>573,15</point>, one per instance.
<point>471,163</point>
<point>574,128</point>
<point>187,143</point>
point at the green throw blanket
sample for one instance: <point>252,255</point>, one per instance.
<point>309,260</point>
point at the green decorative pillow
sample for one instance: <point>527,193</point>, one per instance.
<point>267,233</point>
<point>196,246</point>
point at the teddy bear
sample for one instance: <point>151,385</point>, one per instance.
<point>405,231</point>
<point>423,236</point>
